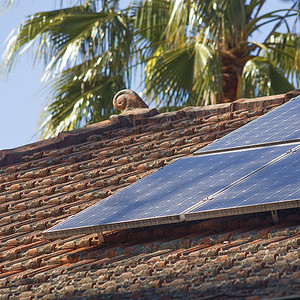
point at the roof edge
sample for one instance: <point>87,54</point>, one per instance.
<point>134,118</point>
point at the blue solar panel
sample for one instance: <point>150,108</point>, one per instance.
<point>280,124</point>
<point>278,182</point>
<point>174,188</point>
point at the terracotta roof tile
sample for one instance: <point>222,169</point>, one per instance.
<point>43,183</point>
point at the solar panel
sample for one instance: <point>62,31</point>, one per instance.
<point>276,186</point>
<point>164,195</point>
<point>278,125</point>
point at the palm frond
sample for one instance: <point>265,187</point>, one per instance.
<point>261,78</point>
<point>284,52</point>
<point>41,28</point>
<point>207,75</point>
<point>5,4</point>
<point>188,75</point>
<point>170,73</point>
<point>76,102</point>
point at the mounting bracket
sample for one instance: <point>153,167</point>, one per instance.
<point>275,216</point>
<point>100,237</point>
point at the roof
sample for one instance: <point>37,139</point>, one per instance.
<point>43,183</point>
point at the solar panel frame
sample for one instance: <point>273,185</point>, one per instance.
<point>249,209</point>
<point>250,175</point>
<point>271,187</point>
<point>49,234</point>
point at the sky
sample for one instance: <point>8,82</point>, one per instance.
<point>20,104</point>
<point>21,94</point>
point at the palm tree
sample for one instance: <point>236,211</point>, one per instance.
<point>190,52</point>
<point>203,51</point>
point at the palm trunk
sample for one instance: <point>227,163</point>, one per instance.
<point>229,83</point>
<point>232,68</point>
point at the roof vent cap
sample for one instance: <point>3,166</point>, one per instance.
<point>128,100</point>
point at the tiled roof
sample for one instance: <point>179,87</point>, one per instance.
<point>43,183</point>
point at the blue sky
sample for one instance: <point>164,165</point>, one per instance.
<point>21,95</point>
<point>20,104</point>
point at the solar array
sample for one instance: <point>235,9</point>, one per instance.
<point>279,125</point>
<point>208,185</point>
<point>275,186</point>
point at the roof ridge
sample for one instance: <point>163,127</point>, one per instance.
<point>137,117</point>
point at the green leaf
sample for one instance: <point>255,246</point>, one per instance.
<point>260,77</point>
